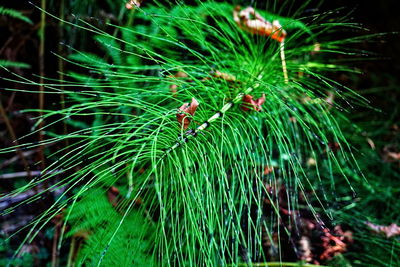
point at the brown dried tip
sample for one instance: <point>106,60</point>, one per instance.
<point>238,8</point>
<point>334,146</point>
<point>268,170</point>
<point>59,217</point>
<point>389,231</point>
<point>316,48</point>
<point>184,110</point>
<point>133,3</point>
<point>390,153</point>
<point>249,20</point>
<point>84,234</point>
<point>113,196</point>
<point>249,102</point>
<point>173,87</point>
<point>335,243</point>
<point>225,76</point>
<point>221,75</point>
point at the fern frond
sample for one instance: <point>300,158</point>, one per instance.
<point>13,64</point>
<point>14,14</point>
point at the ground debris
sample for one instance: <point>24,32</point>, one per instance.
<point>389,230</point>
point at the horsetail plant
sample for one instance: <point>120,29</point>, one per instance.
<point>133,191</point>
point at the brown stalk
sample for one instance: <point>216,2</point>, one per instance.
<point>55,252</point>
<point>41,81</point>
<point>14,138</point>
<point>61,64</point>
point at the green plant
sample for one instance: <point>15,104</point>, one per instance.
<point>14,14</point>
<point>17,15</point>
<point>196,196</point>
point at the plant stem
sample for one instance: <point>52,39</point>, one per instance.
<point>14,137</point>
<point>70,261</point>
<point>55,251</point>
<point>283,59</point>
<point>61,65</point>
<point>214,117</point>
<point>41,71</point>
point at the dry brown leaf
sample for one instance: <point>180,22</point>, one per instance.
<point>268,170</point>
<point>249,102</point>
<point>221,75</point>
<point>393,155</point>
<point>371,143</point>
<point>389,231</point>
<point>335,243</point>
<point>225,76</point>
<point>249,20</point>
<point>133,3</point>
<point>173,87</point>
<point>184,110</point>
<point>316,48</point>
<point>390,153</point>
<point>305,249</point>
<point>115,198</point>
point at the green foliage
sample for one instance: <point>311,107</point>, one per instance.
<point>131,244</point>
<point>25,260</point>
<point>18,15</point>
<point>376,198</point>
<point>14,14</point>
<point>13,64</point>
<point>203,202</point>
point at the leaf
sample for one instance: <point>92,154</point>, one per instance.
<point>225,76</point>
<point>250,20</point>
<point>335,242</point>
<point>133,3</point>
<point>116,200</point>
<point>15,14</point>
<point>389,231</point>
<point>249,102</point>
<point>113,196</point>
<point>13,64</point>
<point>184,110</point>
<point>390,153</point>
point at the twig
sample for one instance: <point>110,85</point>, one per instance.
<point>25,174</point>
<point>41,70</point>
<point>283,59</point>
<point>10,101</point>
<point>7,201</point>
<point>14,137</point>
<point>55,252</point>
<point>76,242</point>
<point>71,253</point>
<point>16,223</point>
<point>6,43</point>
<point>15,158</point>
<point>61,65</point>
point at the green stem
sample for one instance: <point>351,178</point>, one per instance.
<point>214,117</point>
<point>70,262</point>
<point>283,59</point>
